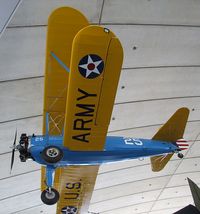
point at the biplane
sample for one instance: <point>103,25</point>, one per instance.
<point>83,65</point>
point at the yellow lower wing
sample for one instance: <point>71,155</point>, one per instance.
<point>63,25</point>
<point>76,184</point>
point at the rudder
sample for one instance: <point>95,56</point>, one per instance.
<point>171,131</point>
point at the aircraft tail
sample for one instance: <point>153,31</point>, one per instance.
<point>171,131</point>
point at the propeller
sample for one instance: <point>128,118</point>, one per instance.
<point>13,151</point>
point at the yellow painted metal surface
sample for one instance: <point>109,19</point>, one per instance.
<point>88,110</point>
<point>90,99</point>
<point>76,184</point>
<point>63,25</point>
<point>172,130</point>
<point>81,105</point>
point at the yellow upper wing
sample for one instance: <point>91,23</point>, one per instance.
<point>94,73</point>
<point>63,25</point>
<point>95,69</point>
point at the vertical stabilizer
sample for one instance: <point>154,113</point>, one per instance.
<point>171,131</point>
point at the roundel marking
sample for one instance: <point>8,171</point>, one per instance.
<point>69,210</point>
<point>91,66</point>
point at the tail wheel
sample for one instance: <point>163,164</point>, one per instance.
<point>50,197</point>
<point>52,154</point>
<point>180,155</point>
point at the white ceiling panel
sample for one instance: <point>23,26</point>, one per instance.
<point>124,201</point>
<point>129,188</point>
<point>131,174</point>
<point>194,148</point>
<point>174,192</point>
<point>137,208</point>
<point>173,202</point>
<point>23,201</point>
<point>176,12</point>
<point>158,45</point>
<point>38,209</point>
<point>7,10</point>
<point>28,13</point>
<point>21,99</point>
<point>21,184</point>
<point>22,53</point>
<point>182,81</point>
<point>189,165</point>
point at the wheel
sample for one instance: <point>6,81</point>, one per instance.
<point>52,154</point>
<point>69,210</point>
<point>50,198</point>
<point>180,155</point>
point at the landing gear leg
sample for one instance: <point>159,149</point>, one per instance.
<point>49,196</point>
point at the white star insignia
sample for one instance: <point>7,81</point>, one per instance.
<point>91,66</point>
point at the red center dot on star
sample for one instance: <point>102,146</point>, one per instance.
<point>91,66</point>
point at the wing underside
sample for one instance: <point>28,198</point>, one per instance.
<point>63,25</point>
<point>96,65</point>
<point>80,102</point>
<point>76,184</point>
<point>95,70</point>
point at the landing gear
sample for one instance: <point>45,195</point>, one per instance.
<point>52,154</point>
<point>50,196</point>
<point>180,155</point>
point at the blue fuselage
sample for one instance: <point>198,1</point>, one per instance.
<point>116,149</point>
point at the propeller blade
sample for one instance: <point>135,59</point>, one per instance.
<point>14,143</point>
<point>13,152</point>
<point>12,159</point>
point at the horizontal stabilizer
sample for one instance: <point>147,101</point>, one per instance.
<point>171,131</point>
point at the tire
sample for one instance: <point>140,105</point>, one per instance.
<point>52,154</point>
<point>50,198</point>
<point>180,155</point>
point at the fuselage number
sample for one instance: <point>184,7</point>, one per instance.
<point>133,141</point>
<point>39,139</point>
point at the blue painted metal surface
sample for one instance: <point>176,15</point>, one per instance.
<point>116,149</point>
